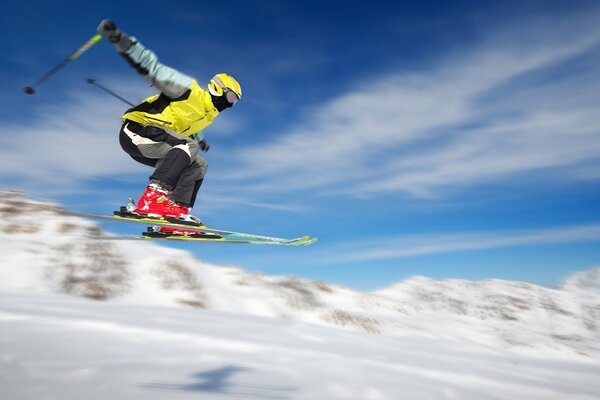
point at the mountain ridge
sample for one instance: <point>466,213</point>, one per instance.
<point>52,253</point>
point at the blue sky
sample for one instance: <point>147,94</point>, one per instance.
<point>446,139</point>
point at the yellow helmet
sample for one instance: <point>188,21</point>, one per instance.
<point>225,85</point>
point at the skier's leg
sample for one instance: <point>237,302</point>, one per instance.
<point>195,193</point>
<point>170,154</point>
<point>189,183</point>
<point>176,162</point>
<point>146,143</point>
<point>147,149</point>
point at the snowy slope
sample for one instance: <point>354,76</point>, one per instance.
<point>97,319</point>
<point>48,255</point>
<point>60,347</point>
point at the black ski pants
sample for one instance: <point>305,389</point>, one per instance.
<point>178,166</point>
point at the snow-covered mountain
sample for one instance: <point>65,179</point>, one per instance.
<point>83,316</point>
<point>53,253</point>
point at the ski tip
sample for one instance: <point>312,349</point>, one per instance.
<point>313,240</point>
<point>303,241</point>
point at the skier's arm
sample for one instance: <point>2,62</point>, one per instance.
<point>169,81</point>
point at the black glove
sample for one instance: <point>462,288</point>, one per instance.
<point>109,30</point>
<point>203,144</point>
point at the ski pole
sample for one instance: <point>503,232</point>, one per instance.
<point>93,82</point>
<point>73,56</point>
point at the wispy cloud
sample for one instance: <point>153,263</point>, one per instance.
<point>215,201</point>
<point>483,115</point>
<point>66,143</point>
<point>422,245</point>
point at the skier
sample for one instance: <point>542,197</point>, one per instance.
<point>164,131</point>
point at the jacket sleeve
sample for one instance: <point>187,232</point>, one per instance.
<point>168,80</point>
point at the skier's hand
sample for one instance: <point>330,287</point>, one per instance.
<point>109,30</point>
<point>203,144</point>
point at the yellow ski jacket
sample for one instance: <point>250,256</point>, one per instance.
<point>182,106</point>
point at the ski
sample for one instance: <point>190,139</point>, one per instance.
<point>296,242</point>
<point>223,235</point>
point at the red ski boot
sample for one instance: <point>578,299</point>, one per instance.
<point>152,200</point>
<point>155,203</point>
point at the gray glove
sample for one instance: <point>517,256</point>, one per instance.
<point>203,145</point>
<point>121,41</point>
<point>109,30</point>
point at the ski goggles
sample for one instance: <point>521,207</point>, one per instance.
<point>231,96</point>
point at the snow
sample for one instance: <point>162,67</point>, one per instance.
<point>97,319</point>
<point>55,346</point>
